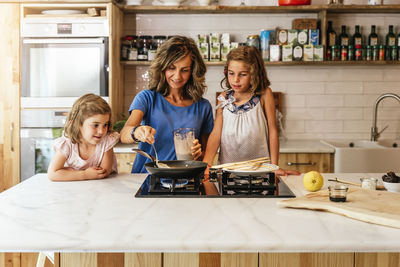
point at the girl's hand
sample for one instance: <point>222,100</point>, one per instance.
<point>282,172</point>
<point>196,149</point>
<point>145,134</point>
<point>95,173</point>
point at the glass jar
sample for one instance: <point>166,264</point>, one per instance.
<point>133,52</point>
<point>253,40</point>
<point>381,53</point>
<point>375,53</point>
<point>350,53</point>
<point>393,53</point>
<point>358,53</point>
<point>158,40</point>
<point>368,53</point>
<point>335,52</point>
<point>328,53</point>
<point>369,183</point>
<point>337,193</point>
<point>144,45</point>
<point>125,45</point>
<point>343,53</point>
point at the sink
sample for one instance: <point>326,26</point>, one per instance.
<point>364,156</point>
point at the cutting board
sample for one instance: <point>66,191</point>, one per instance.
<point>378,207</point>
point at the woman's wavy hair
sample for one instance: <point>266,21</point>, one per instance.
<point>86,106</point>
<point>252,58</point>
<point>170,52</point>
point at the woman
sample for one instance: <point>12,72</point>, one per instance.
<point>177,82</point>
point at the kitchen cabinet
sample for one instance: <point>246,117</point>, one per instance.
<point>305,162</point>
<point>125,162</point>
<point>9,107</point>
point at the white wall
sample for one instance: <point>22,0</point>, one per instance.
<point>318,101</point>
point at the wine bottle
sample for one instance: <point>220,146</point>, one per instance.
<point>390,37</point>
<point>331,34</point>
<point>357,37</point>
<point>373,37</point>
<point>343,37</point>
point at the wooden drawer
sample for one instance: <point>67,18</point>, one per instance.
<point>305,162</point>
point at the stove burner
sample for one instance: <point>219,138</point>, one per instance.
<point>168,183</point>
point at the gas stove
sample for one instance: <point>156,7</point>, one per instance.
<point>223,184</point>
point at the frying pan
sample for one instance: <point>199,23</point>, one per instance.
<point>177,168</point>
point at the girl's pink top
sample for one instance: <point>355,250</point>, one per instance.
<point>71,152</point>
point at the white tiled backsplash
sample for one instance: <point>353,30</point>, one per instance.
<point>319,102</point>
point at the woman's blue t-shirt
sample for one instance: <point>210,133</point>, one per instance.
<point>165,118</point>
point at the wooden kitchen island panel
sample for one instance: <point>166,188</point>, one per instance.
<point>347,259</point>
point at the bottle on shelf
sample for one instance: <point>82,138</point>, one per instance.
<point>357,37</point>
<point>343,37</point>
<point>373,37</point>
<point>390,37</point>
<point>331,34</point>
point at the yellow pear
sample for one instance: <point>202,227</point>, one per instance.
<point>313,181</point>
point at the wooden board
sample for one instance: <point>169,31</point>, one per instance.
<point>378,207</point>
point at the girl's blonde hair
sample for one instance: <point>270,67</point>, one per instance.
<point>86,106</point>
<point>252,58</point>
<point>170,52</point>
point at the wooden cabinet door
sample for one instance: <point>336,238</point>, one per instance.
<point>9,107</point>
<point>10,94</point>
<point>305,162</point>
<point>125,162</point>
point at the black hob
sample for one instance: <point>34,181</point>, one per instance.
<point>227,185</point>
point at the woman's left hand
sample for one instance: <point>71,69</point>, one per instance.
<point>283,172</point>
<point>196,149</point>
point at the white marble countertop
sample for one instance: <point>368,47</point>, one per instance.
<point>104,216</point>
<point>289,146</point>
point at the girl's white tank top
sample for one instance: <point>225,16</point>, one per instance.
<point>244,134</point>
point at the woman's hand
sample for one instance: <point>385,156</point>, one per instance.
<point>145,133</point>
<point>283,172</point>
<point>196,149</point>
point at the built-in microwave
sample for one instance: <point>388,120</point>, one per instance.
<point>61,61</point>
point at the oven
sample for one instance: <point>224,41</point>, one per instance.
<point>39,128</point>
<point>62,60</point>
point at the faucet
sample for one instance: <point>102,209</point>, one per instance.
<point>374,130</point>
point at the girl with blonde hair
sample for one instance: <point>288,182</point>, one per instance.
<point>85,151</point>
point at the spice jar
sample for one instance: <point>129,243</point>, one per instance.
<point>125,44</point>
<point>369,183</point>
<point>368,53</point>
<point>144,45</point>
<point>375,53</point>
<point>393,53</point>
<point>337,193</point>
<point>335,52</point>
<point>253,40</point>
<point>350,53</point>
<point>358,53</point>
<point>381,53</point>
<point>132,51</point>
<point>343,53</point>
<point>329,53</point>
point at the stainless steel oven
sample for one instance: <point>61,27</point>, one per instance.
<point>62,60</point>
<point>39,128</point>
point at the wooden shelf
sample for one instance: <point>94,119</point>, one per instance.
<point>286,63</point>
<point>263,9</point>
